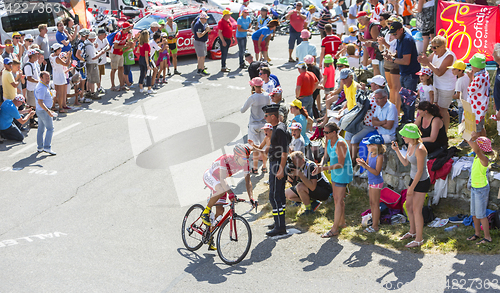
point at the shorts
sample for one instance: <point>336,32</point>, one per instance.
<point>255,133</point>
<point>262,48</point>
<point>59,78</point>
<point>30,98</point>
<point>339,28</point>
<point>320,193</point>
<point>375,61</point>
<point>23,85</point>
<point>328,90</point>
<point>348,136</point>
<point>480,125</point>
<point>83,73</point>
<point>377,186</point>
<point>443,98</point>
<point>102,69</point>
<point>391,67</point>
<point>126,69</point>
<point>340,184</point>
<point>92,73</point>
<point>479,201</point>
<point>407,19</point>
<point>201,48</point>
<point>422,186</point>
<point>294,38</point>
<point>116,61</point>
<point>172,48</point>
<point>210,181</point>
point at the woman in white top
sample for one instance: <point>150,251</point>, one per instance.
<point>444,81</point>
<point>60,61</point>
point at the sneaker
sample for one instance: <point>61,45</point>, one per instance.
<point>168,73</point>
<point>204,72</point>
<point>50,152</point>
<point>39,150</point>
<point>266,182</point>
<point>176,72</point>
<point>307,213</point>
<point>165,80</point>
<point>225,69</point>
<point>458,219</point>
<point>151,92</point>
<point>315,205</point>
<point>243,66</point>
<point>101,90</point>
<point>211,245</point>
<point>205,217</point>
<point>132,86</point>
<point>464,144</point>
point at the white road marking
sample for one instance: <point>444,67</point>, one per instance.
<point>11,242</point>
<point>31,145</point>
<point>30,171</point>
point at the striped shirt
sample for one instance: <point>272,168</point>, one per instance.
<point>325,16</point>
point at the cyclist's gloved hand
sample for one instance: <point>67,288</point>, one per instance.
<point>231,196</point>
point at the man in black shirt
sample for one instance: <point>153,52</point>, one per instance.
<point>253,67</point>
<point>278,153</point>
<point>310,187</point>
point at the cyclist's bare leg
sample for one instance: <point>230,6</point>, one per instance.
<point>219,191</point>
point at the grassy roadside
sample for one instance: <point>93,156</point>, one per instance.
<point>436,239</point>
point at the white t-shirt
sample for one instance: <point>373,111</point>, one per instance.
<point>33,70</point>
<point>100,46</point>
<point>1,68</point>
<point>298,144</point>
<point>461,86</point>
<point>91,52</point>
<point>424,90</point>
<point>269,86</point>
<point>154,47</point>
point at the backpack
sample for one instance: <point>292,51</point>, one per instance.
<point>427,214</point>
<point>193,23</point>
<point>494,220</point>
<point>111,38</point>
<point>24,72</point>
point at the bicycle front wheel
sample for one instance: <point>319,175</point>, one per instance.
<point>233,240</point>
<point>192,228</point>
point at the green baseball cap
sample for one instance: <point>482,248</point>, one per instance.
<point>478,61</point>
<point>328,58</point>
<point>413,22</point>
<point>343,61</point>
<point>161,22</point>
<point>410,130</point>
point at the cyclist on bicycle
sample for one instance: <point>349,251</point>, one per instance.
<point>215,179</point>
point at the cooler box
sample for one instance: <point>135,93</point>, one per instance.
<point>215,54</point>
<point>390,197</point>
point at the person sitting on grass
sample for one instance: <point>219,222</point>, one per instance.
<point>373,164</point>
<point>309,186</point>
<point>480,188</point>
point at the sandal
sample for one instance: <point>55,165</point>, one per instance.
<point>255,171</point>
<point>408,235</point>
<point>291,60</point>
<point>483,241</point>
<point>473,237</point>
<point>370,230</point>
<point>62,111</point>
<point>264,170</point>
<point>414,244</point>
<point>329,234</point>
<point>115,89</point>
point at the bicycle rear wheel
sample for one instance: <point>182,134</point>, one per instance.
<point>233,240</point>
<point>193,228</point>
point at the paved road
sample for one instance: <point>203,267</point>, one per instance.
<point>104,214</point>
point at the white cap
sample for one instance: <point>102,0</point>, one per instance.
<point>56,46</point>
<point>28,37</point>
<point>92,35</point>
<point>377,79</point>
<point>154,24</point>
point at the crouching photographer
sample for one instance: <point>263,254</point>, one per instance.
<point>308,189</point>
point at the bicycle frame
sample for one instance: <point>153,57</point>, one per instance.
<point>208,233</point>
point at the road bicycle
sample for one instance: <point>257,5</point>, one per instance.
<point>234,238</point>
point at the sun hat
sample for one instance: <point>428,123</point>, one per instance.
<point>410,130</point>
<point>311,7</point>
<point>345,73</point>
<point>92,35</point>
<point>39,51</point>
<point>377,79</point>
<point>28,37</point>
<point>301,64</point>
<point>16,34</point>
<point>459,64</point>
<point>478,61</point>
<point>413,22</point>
<point>256,81</point>
<point>226,12</point>
<point>84,32</point>
<point>309,59</point>
<point>161,21</point>
<point>296,125</point>
<point>153,24</point>
<point>32,52</point>
<point>296,103</point>
<point>56,46</point>
<point>267,126</point>
<point>20,98</point>
<point>353,28</point>
<point>361,14</point>
<point>424,71</point>
<point>343,61</point>
<point>328,59</point>
<point>246,10</point>
<point>276,90</point>
<point>305,34</point>
<point>484,144</point>
<point>374,139</point>
<point>7,61</point>
<point>203,15</point>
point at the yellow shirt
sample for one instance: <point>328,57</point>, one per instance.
<point>350,95</point>
<point>9,92</point>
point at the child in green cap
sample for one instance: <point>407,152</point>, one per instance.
<point>478,90</point>
<point>419,184</point>
<point>328,74</point>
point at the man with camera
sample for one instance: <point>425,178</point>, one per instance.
<point>309,187</point>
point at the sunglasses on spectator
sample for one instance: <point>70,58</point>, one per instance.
<point>31,41</point>
<point>435,47</point>
<point>327,132</point>
<point>17,38</point>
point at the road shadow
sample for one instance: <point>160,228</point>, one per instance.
<point>475,274</point>
<point>325,255</point>
<point>30,161</point>
<point>289,66</point>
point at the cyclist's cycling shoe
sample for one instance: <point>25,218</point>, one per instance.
<point>205,217</point>
<point>211,245</point>
<point>254,203</point>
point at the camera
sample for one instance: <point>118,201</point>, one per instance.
<point>290,166</point>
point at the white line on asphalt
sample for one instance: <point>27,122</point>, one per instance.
<point>118,107</point>
<point>30,146</point>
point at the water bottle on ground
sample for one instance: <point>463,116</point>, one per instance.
<point>451,228</point>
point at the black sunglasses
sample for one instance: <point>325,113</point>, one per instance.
<point>327,132</point>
